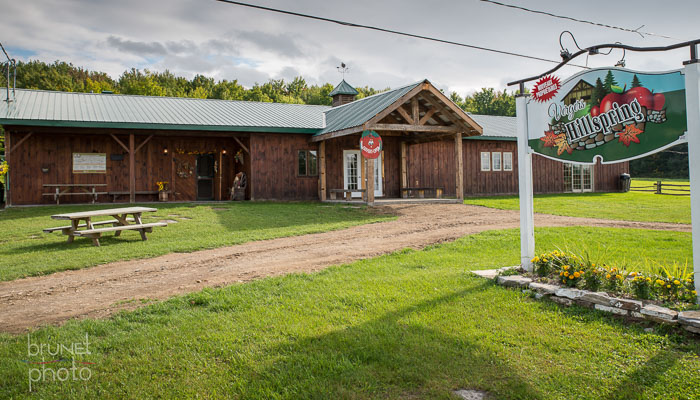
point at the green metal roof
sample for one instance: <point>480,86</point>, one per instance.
<point>344,88</point>
<point>360,111</point>
<point>496,126</point>
<point>94,110</point>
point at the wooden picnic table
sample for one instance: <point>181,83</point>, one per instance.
<point>120,223</point>
<point>65,189</point>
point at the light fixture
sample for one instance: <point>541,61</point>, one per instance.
<point>165,150</point>
<point>223,151</point>
<point>565,55</point>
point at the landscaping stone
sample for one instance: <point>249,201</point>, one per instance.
<point>561,300</point>
<point>569,293</point>
<point>612,310</point>
<point>690,318</point>
<point>543,288</point>
<point>486,273</point>
<point>626,304</point>
<point>692,329</point>
<point>636,315</point>
<point>538,296</point>
<point>513,281</point>
<point>584,303</point>
<point>470,394</point>
<point>659,314</point>
<point>601,298</point>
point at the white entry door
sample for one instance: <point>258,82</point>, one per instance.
<point>578,178</point>
<point>352,174</point>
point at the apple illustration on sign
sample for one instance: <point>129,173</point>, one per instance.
<point>642,94</point>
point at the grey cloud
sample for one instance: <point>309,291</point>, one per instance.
<point>138,48</point>
<point>282,44</point>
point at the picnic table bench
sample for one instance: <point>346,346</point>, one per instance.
<point>347,193</point>
<point>420,191</point>
<point>121,222</point>
<point>64,189</point>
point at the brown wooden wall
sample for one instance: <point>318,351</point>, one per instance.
<point>52,150</point>
<point>274,167</point>
<point>432,165</point>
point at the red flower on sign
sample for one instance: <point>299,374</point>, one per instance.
<point>546,88</point>
<point>629,135</point>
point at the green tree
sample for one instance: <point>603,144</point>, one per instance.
<point>140,83</point>
<point>635,81</point>
<point>598,93</point>
<point>609,82</point>
<point>457,99</point>
<point>488,101</point>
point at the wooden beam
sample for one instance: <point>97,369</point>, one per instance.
<point>416,110</point>
<point>414,128</point>
<point>241,144</point>
<point>331,135</point>
<point>417,139</point>
<point>132,170</point>
<point>370,181</point>
<point>443,110</point>
<point>403,167</point>
<point>427,116</point>
<point>143,143</point>
<point>399,102</point>
<point>459,166</point>
<point>322,172</point>
<point>120,142</point>
<point>404,114</point>
<point>452,106</point>
<point>16,145</point>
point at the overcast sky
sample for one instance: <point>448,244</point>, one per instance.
<point>223,41</point>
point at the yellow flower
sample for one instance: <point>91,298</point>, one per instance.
<point>576,274</point>
<point>668,286</point>
<point>618,276</point>
<point>561,273</point>
<point>607,276</point>
<point>649,280</point>
<point>566,267</point>
<point>571,277</point>
<point>593,265</point>
<point>566,274</point>
<point>659,282</point>
<point>677,282</point>
<point>694,292</point>
<point>633,274</point>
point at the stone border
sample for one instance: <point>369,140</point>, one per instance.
<point>633,310</point>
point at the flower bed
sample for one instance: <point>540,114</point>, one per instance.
<point>673,287</point>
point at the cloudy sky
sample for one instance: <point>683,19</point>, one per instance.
<point>207,37</point>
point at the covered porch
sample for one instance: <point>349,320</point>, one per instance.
<point>405,118</point>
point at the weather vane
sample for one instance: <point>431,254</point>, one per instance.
<point>343,69</point>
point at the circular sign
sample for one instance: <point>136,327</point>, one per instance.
<point>371,144</point>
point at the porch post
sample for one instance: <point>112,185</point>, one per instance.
<point>132,172</point>
<point>692,93</point>
<point>459,166</point>
<point>322,172</point>
<point>403,172</point>
<point>370,181</point>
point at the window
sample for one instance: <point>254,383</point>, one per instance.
<point>485,161</point>
<point>307,163</point>
<point>496,161</point>
<point>507,161</point>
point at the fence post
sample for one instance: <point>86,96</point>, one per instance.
<point>658,187</point>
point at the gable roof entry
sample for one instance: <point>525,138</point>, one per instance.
<point>95,110</point>
<point>359,111</point>
<point>344,88</point>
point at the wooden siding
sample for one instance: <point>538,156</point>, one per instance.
<point>53,150</point>
<point>274,168</point>
<point>432,164</point>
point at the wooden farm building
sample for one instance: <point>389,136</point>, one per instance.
<point>80,147</point>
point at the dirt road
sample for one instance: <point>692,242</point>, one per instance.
<point>102,290</point>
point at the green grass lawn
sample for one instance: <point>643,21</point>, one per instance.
<point>647,184</point>
<point>414,324</point>
<point>26,251</point>
<point>629,206</point>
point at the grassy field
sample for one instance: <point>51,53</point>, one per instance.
<point>414,324</point>
<point>647,184</point>
<point>26,251</point>
<point>629,206</point>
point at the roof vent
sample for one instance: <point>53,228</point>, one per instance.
<point>343,93</point>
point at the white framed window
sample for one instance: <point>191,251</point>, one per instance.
<point>507,161</point>
<point>485,161</point>
<point>496,161</point>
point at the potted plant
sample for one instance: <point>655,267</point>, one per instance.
<point>162,190</point>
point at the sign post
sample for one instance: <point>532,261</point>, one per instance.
<point>692,88</point>
<point>527,212</point>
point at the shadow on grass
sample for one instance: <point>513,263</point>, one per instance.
<point>388,357</point>
<point>649,373</point>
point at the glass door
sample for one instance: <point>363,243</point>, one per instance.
<point>378,177</point>
<point>351,171</point>
<point>205,177</point>
<point>578,178</point>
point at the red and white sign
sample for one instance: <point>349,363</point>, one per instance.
<point>371,145</point>
<point>546,88</point>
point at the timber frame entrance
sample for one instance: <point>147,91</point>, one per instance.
<point>423,114</point>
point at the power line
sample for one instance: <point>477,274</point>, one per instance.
<point>583,21</point>
<point>354,25</point>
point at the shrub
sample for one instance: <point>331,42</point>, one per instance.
<point>571,276</point>
<point>593,278</point>
<point>642,286</point>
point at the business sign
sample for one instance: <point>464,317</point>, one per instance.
<point>607,113</point>
<point>371,144</point>
<point>89,163</point>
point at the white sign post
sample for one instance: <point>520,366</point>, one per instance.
<point>692,99</point>
<point>527,209</point>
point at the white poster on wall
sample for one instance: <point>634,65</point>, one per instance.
<point>89,163</point>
